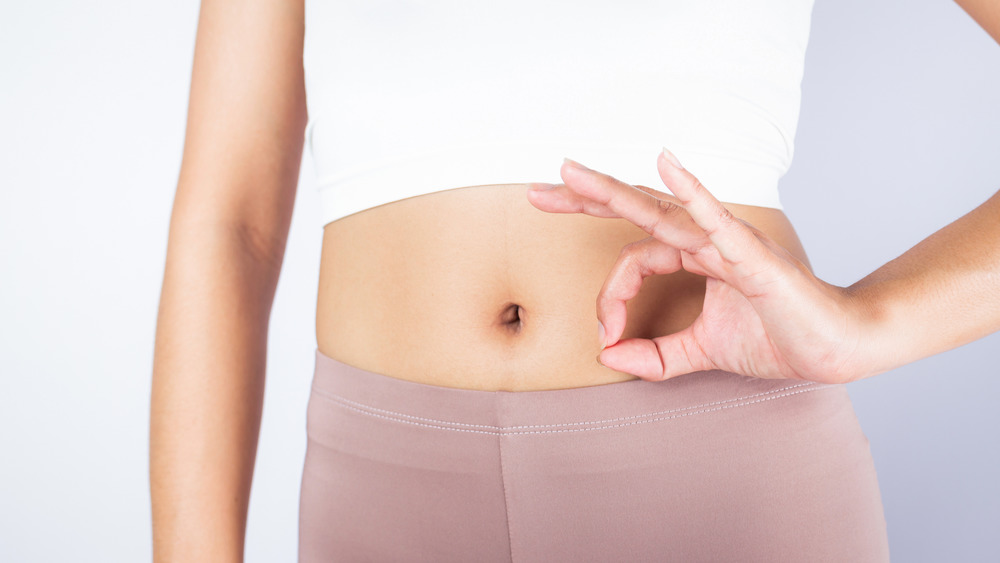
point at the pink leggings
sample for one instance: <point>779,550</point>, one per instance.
<point>709,466</point>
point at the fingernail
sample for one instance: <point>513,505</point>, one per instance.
<point>600,334</point>
<point>671,158</point>
<point>540,186</point>
<point>599,360</point>
<point>575,164</point>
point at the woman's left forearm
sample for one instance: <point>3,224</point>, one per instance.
<point>942,293</point>
<point>945,291</point>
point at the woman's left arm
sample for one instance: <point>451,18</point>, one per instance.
<point>945,291</point>
<point>942,293</point>
<point>949,281</point>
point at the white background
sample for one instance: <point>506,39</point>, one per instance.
<point>899,135</point>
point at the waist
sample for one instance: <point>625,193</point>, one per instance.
<point>475,288</point>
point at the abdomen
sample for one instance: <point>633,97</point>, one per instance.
<point>476,288</point>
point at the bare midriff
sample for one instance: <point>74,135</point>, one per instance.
<point>475,288</point>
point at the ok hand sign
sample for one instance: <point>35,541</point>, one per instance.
<point>765,314</point>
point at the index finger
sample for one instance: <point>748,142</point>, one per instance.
<point>663,219</point>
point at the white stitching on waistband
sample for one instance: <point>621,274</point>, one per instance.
<point>414,417</point>
<point>500,430</point>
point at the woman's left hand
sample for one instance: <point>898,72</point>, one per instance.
<point>765,314</point>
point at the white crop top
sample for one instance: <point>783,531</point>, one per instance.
<point>407,97</point>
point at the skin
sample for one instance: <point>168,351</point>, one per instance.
<point>228,232</point>
<point>233,206</point>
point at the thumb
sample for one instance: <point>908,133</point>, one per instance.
<point>659,358</point>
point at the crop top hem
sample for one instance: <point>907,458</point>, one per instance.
<point>376,183</point>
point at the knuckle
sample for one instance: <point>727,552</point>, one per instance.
<point>668,208</point>
<point>724,220</point>
<point>640,245</point>
<point>697,190</point>
<point>665,211</point>
<point>630,257</point>
<point>627,252</point>
<point>627,268</point>
<point>726,217</point>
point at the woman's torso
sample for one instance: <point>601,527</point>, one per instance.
<point>476,288</point>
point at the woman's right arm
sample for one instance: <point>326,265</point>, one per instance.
<point>227,234</point>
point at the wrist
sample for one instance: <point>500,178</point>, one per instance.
<point>879,346</point>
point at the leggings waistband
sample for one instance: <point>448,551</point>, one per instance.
<point>577,409</point>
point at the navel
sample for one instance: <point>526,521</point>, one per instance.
<point>511,317</point>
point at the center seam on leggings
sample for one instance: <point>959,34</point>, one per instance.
<point>506,498</point>
<point>503,431</point>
